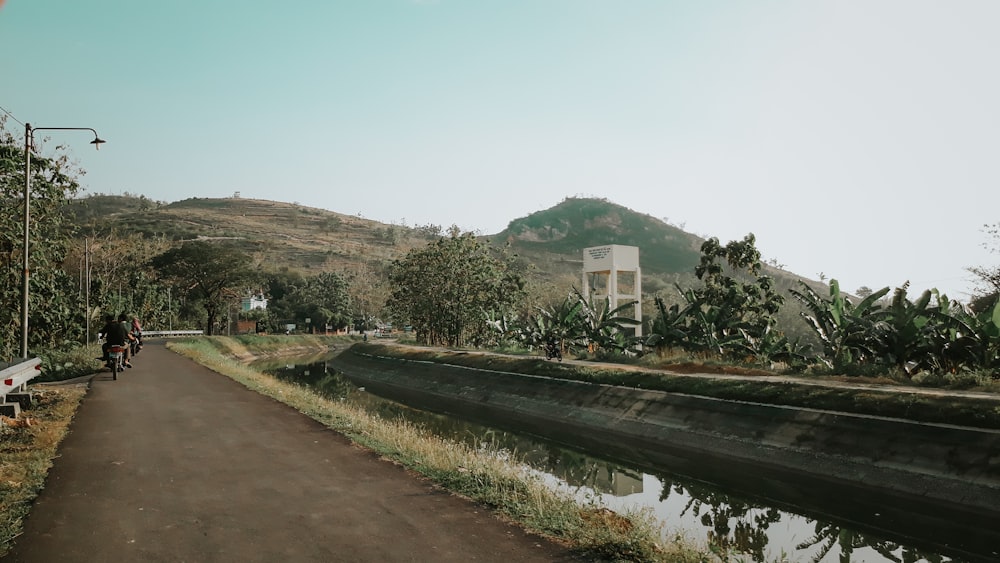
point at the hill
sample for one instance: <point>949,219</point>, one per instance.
<point>552,240</point>
<point>280,235</point>
<point>577,223</point>
<point>286,236</point>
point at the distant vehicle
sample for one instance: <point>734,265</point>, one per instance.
<point>553,350</point>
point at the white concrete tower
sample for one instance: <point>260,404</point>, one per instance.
<point>612,271</point>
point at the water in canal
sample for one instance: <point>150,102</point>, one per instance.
<point>779,524</point>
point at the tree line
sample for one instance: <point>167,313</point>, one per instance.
<point>463,292</point>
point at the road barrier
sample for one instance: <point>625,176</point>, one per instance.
<point>172,333</point>
<point>14,385</point>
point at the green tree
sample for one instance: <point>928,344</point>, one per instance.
<point>746,298</point>
<point>210,273</point>
<point>55,310</point>
<point>323,299</point>
<point>733,312</point>
<point>449,289</point>
<point>121,279</point>
<point>279,287</point>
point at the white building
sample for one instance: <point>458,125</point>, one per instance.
<point>612,271</point>
<point>254,302</point>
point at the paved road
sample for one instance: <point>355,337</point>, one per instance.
<point>174,462</point>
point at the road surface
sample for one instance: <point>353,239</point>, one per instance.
<point>174,462</point>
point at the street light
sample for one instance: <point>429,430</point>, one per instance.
<point>28,144</point>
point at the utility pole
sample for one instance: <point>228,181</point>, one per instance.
<point>86,267</point>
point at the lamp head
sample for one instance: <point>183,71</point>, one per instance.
<point>97,142</point>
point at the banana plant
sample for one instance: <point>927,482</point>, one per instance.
<point>845,329</point>
<point>906,331</point>
<point>670,327</point>
<point>772,346</point>
<point>560,322</point>
<point>501,328</point>
<point>604,327</point>
<point>972,341</point>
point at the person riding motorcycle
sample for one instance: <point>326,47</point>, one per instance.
<point>137,333</point>
<point>116,333</point>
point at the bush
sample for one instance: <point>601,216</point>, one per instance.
<point>60,365</point>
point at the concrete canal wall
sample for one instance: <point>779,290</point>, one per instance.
<point>705,437</point>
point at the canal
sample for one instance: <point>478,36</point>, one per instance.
<point>768,521</point>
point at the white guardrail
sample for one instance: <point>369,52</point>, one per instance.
<point>15,378</point>
<point>172,333</point>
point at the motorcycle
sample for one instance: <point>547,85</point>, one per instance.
<point>116,360</point>
<point>552,350</point>
<point>137,343</point>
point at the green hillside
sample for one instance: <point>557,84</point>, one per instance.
<point>577,223</point>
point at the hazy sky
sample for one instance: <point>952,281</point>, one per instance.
<point>857,138</point>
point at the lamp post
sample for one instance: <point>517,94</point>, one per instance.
<point>28,143</point>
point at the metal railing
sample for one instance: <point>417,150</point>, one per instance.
<point>172,333</point>
<point>15,377</point>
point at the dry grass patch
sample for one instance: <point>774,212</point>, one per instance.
<point>26,453</point>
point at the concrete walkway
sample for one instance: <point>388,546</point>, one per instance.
<point>174,462</point>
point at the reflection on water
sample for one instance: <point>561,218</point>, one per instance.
<point>756,530</point>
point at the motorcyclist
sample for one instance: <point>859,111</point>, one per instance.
<point>137,332</point>
<point>116,333</point>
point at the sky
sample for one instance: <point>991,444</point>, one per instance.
<point>857,139</point>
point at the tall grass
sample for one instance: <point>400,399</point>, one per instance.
<point>479,473</point>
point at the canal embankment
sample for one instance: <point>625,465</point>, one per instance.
<point>930,463</point>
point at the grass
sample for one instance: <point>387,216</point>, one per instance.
<point>478,473</point>
<point>59,365</point>
<point>27,451</point>
<point>252,346</point>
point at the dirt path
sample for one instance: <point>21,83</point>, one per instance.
<point>173,462</point>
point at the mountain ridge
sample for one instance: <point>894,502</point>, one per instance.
<point>289,236</point>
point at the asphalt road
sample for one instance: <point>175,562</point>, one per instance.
<point>174,462</point>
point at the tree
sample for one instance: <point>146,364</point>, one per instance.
<point>279,287</point>
<point>736,304</point>
<point>121,279</point>
<point>56,315</point>
<point>449,289</point>
<point>988,284</point>
<point>208,272</point>
<point>369,292</point>
<point>322,299</point>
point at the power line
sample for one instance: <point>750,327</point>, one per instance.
<point>11,115</point>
